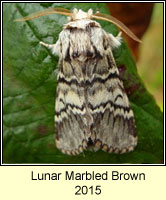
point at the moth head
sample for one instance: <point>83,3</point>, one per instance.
<point>79,15</point>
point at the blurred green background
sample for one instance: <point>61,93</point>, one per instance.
<point>150,64</point>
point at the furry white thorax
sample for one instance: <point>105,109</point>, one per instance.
<point>82,42</point>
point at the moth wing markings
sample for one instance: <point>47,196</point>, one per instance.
<point>114,124</point>
<point>69,111</point>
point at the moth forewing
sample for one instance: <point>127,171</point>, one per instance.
<point>92,108</point>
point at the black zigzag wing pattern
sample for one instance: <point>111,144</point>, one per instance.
<point>92,107</point>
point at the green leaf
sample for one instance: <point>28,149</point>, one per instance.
<point>29,89</point>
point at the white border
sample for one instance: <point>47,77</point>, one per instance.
<point>163,84</point>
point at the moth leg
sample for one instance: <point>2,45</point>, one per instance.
<point>54,47</point>
<point>50,46</point>
<point>115,42</point>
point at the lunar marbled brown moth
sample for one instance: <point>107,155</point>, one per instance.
<point>92,108</point>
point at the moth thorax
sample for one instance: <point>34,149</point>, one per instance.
<point>79,15</point>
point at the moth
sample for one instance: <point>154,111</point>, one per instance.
<point>92,108</point>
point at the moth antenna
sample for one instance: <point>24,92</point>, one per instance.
<point>117,23</point>
<point>44,12</point>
